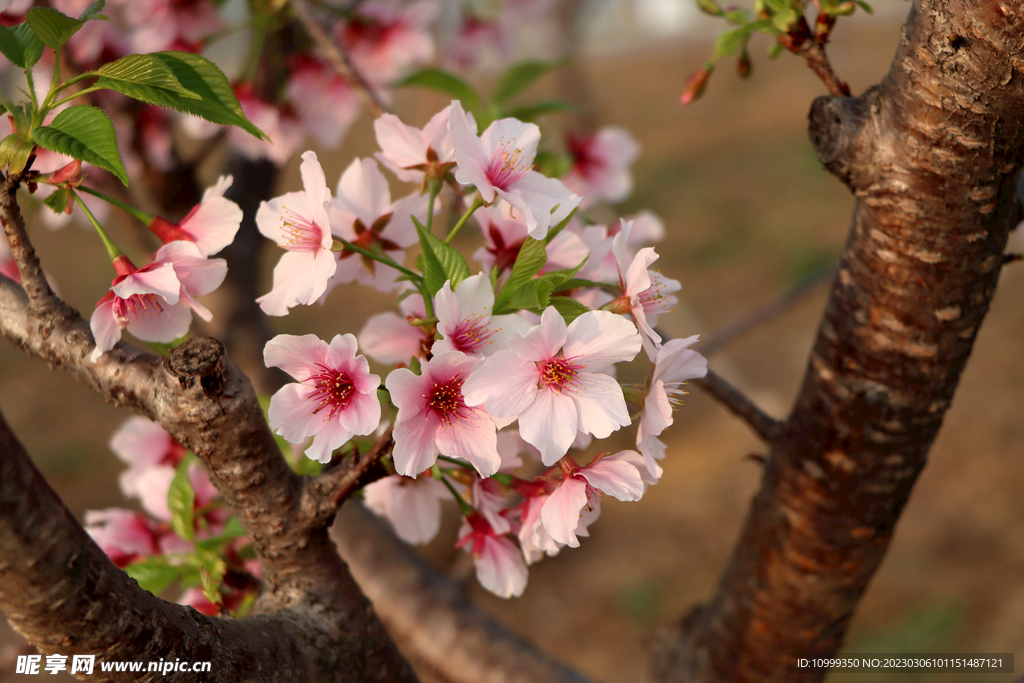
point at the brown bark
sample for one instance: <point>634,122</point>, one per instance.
<point>933,154</point>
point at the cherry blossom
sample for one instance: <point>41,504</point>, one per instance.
<point>326,104</point>
<point>211,224</point>
<point>390,339</point>
<point>334,399</point>
<point>674,364</point>
<point>413,154</point>
<point>143,444</point>
<point>124,535</point>
<point>500,164</point>
<point>362,213</point>
<point>155,302</point>
<point>386,37</point>
<point>600,168</point>
<point>553,379</point>
<point>505,233</point>
<point>464,319</point>
<point>298,222</point>
<point>412,506</point>
<point>615,475</point>
<point>499,563</point>
<point>645,294</point>
<point>433,417</point>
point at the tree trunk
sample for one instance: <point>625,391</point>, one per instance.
<point>933,154</point>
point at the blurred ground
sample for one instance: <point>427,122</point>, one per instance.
<point>749,213</point>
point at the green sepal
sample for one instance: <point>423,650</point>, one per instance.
<point>58,200</point>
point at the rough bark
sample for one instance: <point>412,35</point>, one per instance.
<point>933,155</point>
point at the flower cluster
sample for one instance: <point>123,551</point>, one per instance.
<point>499,381</point>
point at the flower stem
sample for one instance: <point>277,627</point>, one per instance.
<point>465,507</point>
<point>341,244</point>
<point>141,215</point>
<point>112,249</point>
<point>478,201</point>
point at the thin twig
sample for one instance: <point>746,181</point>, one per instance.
<point>338,59</point>
<point>766,426</point>
<point>766,312</point>
<point>32,278</point>
<point>813,53</point>
<point>325,494</point>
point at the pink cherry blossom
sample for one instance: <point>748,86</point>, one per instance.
<point>284,130</point>
<point>499,563</point>
<point>600,165</point>
<point>211,224</point>
<point>335,398</point>
<point>674,364</point>
<point>142,444</point>
<point>362,213</point>
<point>477,35</point>
<point>615,475</point>
<point>298,222</point>
<point>390,339</point>
<point>123,535</point>
<point>505,233</point>
<point>154,302</point>
<point>410,153</point>
<point>645,294</point>
<point>433,417</point>
<point>500,164</point>
<point>386,37</point>
<point>326,104</point>
<point>553,378</point>
<point>464,319</point>
<point>412,506</point>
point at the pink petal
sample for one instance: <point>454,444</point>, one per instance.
<point>500,567</point>
<point>296,355</point>
<point>561,513</point>
<point>161,281</point>
<point>616,477</point>
<point>474,439</point>
<point>602,408</point>
<point>550,424</point>
<point>601,338</point>
<point>505,383</point>
<point>105,329</point>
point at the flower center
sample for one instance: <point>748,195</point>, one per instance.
<point>446,401</point>
<point>560,374</point>
<point>508,165</point>
<point>135,306</point>
<point>302,234</point>
<point>332,391</point>
<point>472,333</point>
<point>656,299</point>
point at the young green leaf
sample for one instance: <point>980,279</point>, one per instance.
<point>181,499</point>
<point>441,262</point>
<point>153,574</point>
<point>20,46</point>
<point>534,296</point>
<point>532,257</point>
<point>83,132</point>
<point>569,308</point>
<point>58,200</point>
<point>520,77</point>
<point>211,573</point>
<point>530,112</point>
<point>14,152</point>
<point>141,70</point>
<point>93,12</point>
<point>216,100</point>
<point>53,28</point>
<point>447,84</point>
<point>558,278</point>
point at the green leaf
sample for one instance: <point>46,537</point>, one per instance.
<point>569,308</point>
<point>211,574</point>
<point>53,28</point>
<point>558,278</point>
<point>58,200</point>
<point>441,262</point>
<point>532,257</point>
<point>530,112</point>
<point>83,132</point>
<point>181,499</point>
<point>864,6</point>
<point>520,77</point>
<point>141,70</point>
<point>448,84</point>
<point>14,152</point>
<point>533,296</point>
<point>216,100</point>
<point>576,282</point>
<point>232,530</point>
<point>93,12</point>
<point>153,574</point>
<point>730,41</point>
<point>20,45</point>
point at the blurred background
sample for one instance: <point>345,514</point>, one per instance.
<point>749,215</point>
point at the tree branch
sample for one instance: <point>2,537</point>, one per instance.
<point>338,60</point>
<point>32,278</point>
<point>438,626</point>
<point>325,494</point>
<point>767,427</point>
<point>933,155</point>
